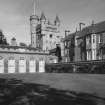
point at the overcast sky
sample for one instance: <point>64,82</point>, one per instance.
<point>14,15</point>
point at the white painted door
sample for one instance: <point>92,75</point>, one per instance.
<point>22,66</point>
<point>41,66</point>
<point>11,66</point>
<point>1,66</point>
<point>32,66</point>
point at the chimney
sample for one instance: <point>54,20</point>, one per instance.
<point>67,32</point>
<point>80,26</point>
<point>92,22</point>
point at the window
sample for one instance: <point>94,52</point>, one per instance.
<point>88,55</point>
<point>88,40</point>
<point>50,35</point>
<point>46,48</point>
<point>1,57</point>
<point>54,43</point>
<point>93,38</point>
<point>76,42</point>
<point>100,38</point>
<point>65,43</point>
<point>46,41</point>
<point>94,54</point>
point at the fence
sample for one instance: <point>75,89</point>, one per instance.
<point>97,66</point>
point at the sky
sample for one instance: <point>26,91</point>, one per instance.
<point>15,14</point>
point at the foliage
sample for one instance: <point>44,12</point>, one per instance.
<point>3,40</point>
<point>69,68</point>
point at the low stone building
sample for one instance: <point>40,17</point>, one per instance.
<point>86,44</point>
<point>16,59</point>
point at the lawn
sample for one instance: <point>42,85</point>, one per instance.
<point>86,83</point>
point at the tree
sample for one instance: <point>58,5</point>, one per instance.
<point>58,53</point>
<point>3,40</point>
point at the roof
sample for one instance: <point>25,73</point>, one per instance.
<point>57,19</point>
<point>69,37</point>
<point>94,28</point>
<point>42,16</point>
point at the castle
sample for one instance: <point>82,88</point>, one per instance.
<point>44,34</point>
<point>30,59</point>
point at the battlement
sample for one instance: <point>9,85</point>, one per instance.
<point>22,49</point>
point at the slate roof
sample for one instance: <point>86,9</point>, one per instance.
<point>70,36</point>
<point>95,28</point>
<point>57,19</point>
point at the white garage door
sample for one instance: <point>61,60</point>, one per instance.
<point>32,66</point>
<point>11,66</point>
<point>1,66</point>
<point>22,66</point>
<point>41,66</point>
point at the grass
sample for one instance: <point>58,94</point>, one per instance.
<point>86,83</point>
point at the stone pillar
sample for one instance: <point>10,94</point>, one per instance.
<point>1,65</point>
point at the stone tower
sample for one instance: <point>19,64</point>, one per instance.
<point>13,42</point>
<point>57,21</point>
<point>33,24</point>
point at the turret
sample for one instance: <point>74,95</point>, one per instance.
<point>57,21</point>
<point>13,42</point>
<point>33,24</point>
<point>43,18</point>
